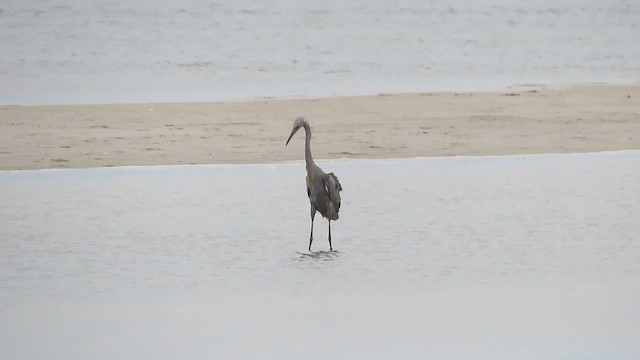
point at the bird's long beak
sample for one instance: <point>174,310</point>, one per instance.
<point>290,136</point>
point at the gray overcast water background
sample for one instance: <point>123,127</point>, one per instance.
<point>61,51</point>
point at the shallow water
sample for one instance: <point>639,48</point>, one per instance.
<point>61,51</point>
<point>522,257</point>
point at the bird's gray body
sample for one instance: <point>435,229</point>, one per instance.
<point>324,193</point>
<point>323,189</point>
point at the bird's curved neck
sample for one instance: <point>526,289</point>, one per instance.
<point>307,146</point>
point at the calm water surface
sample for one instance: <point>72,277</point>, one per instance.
<point>62,51</point>
<point>522,257</point>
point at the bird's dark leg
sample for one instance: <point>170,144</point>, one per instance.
<point>330,248</point>
<point>313,214</point>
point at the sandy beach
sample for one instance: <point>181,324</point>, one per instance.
<point>524,120</point>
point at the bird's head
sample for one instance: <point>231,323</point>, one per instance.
<point>297,124</point>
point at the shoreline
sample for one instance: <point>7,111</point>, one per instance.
<point>323,162</point>
<point>502,88</point>
<point>536,120</point>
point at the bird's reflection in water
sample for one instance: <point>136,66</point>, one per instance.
<point>319,255</point>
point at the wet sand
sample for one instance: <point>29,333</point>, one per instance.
<point>522,120</point>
